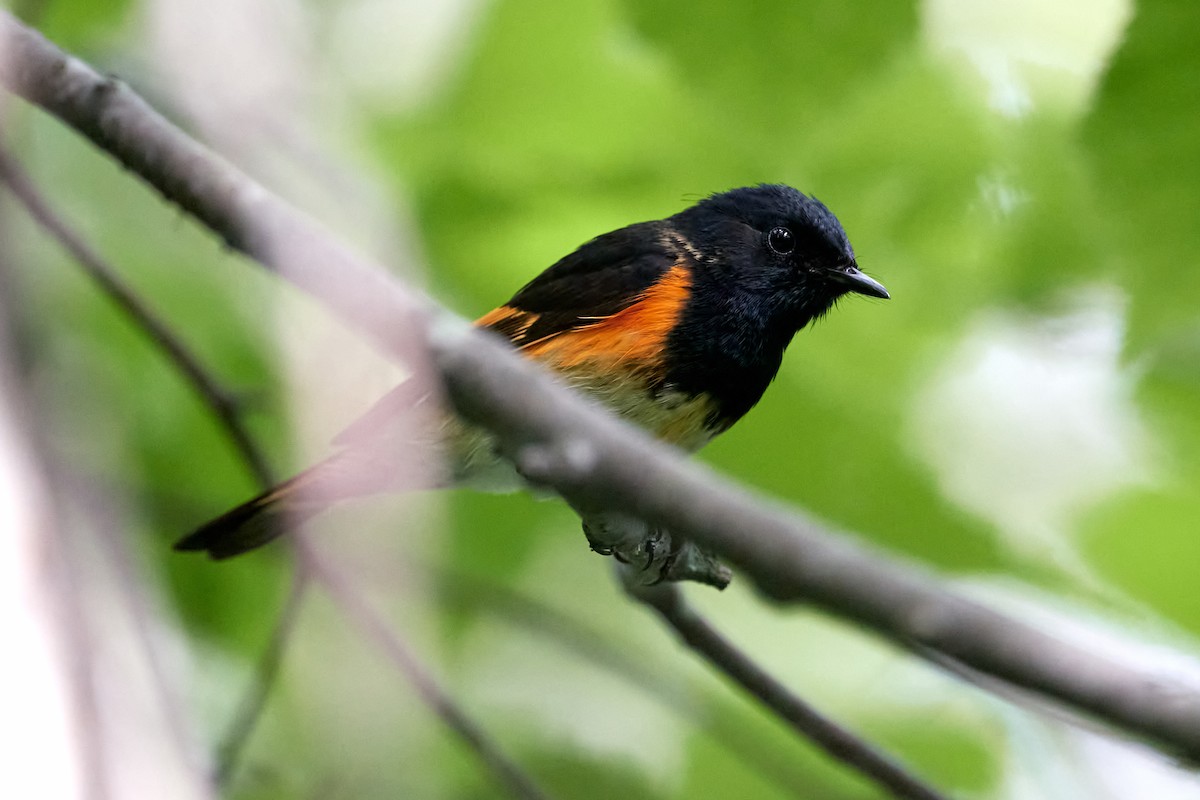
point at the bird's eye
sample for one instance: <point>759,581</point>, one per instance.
<point>781,241</point>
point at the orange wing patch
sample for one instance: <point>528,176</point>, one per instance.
<point>634,338</point>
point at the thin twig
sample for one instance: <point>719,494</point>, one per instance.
<point>103,554</point>
<point>85,561</point>
<point>586,455</point>
<point>422,679</point>
<point>840,743</point>
<point>266,676</point>
<point>722,727</point>
<point>42,561</point>
<point>218,400</point>
<point>212,394</point>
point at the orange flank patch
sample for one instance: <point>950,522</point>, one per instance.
<point>509,321</point>
<point>497,316</point>
<point>615,359</point>
<point>634,338</point>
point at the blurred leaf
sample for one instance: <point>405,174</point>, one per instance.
<point>711,774</point>
<point>959,757</point>
<point>1147,546</point>
<point>494,535</point>
<point>770,67</point>
<point>1146,543</point>
<point>72,24</point>
<point>1142,139</point>
<point>578,776</point>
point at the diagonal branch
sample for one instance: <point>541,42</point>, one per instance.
<point>218,400</point>
<point>585,454</point>
<point>724,724</point>
<point>266,676</point>
<point>360,613</point>
<point>838,742</point>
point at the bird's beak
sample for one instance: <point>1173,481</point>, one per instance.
<point>854,280</point>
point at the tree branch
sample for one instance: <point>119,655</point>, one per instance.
<point>724,725</point>
<point>220,403</point>
<point>586,455</point>
<point>266,675</point>
<point>838,742</point>
<point>355,607</point>
<point>218,400</point>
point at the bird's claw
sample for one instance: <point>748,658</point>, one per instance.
<point>597,544</point>
<point>651,555</point>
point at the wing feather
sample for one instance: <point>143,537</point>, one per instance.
<point>600,279</point>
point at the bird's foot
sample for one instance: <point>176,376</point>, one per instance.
<point>651,555</point>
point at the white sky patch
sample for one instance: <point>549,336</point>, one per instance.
<point>1030,420</point>
<point>1020,47</point>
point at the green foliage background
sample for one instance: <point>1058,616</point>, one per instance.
<point>560,121</point>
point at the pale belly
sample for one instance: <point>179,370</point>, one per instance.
<point>674,417</point>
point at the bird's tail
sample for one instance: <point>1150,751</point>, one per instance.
<point>258,520</point>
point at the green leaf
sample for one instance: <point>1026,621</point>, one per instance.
<point>1141,139</point>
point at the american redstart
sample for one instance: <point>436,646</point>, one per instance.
<point>678,325</point>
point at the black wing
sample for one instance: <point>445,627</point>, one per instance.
<point>601,278</point>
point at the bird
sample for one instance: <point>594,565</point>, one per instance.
<point>678,325</point>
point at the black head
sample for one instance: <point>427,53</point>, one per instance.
<point>786,249</point>
<point>766,261</point>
